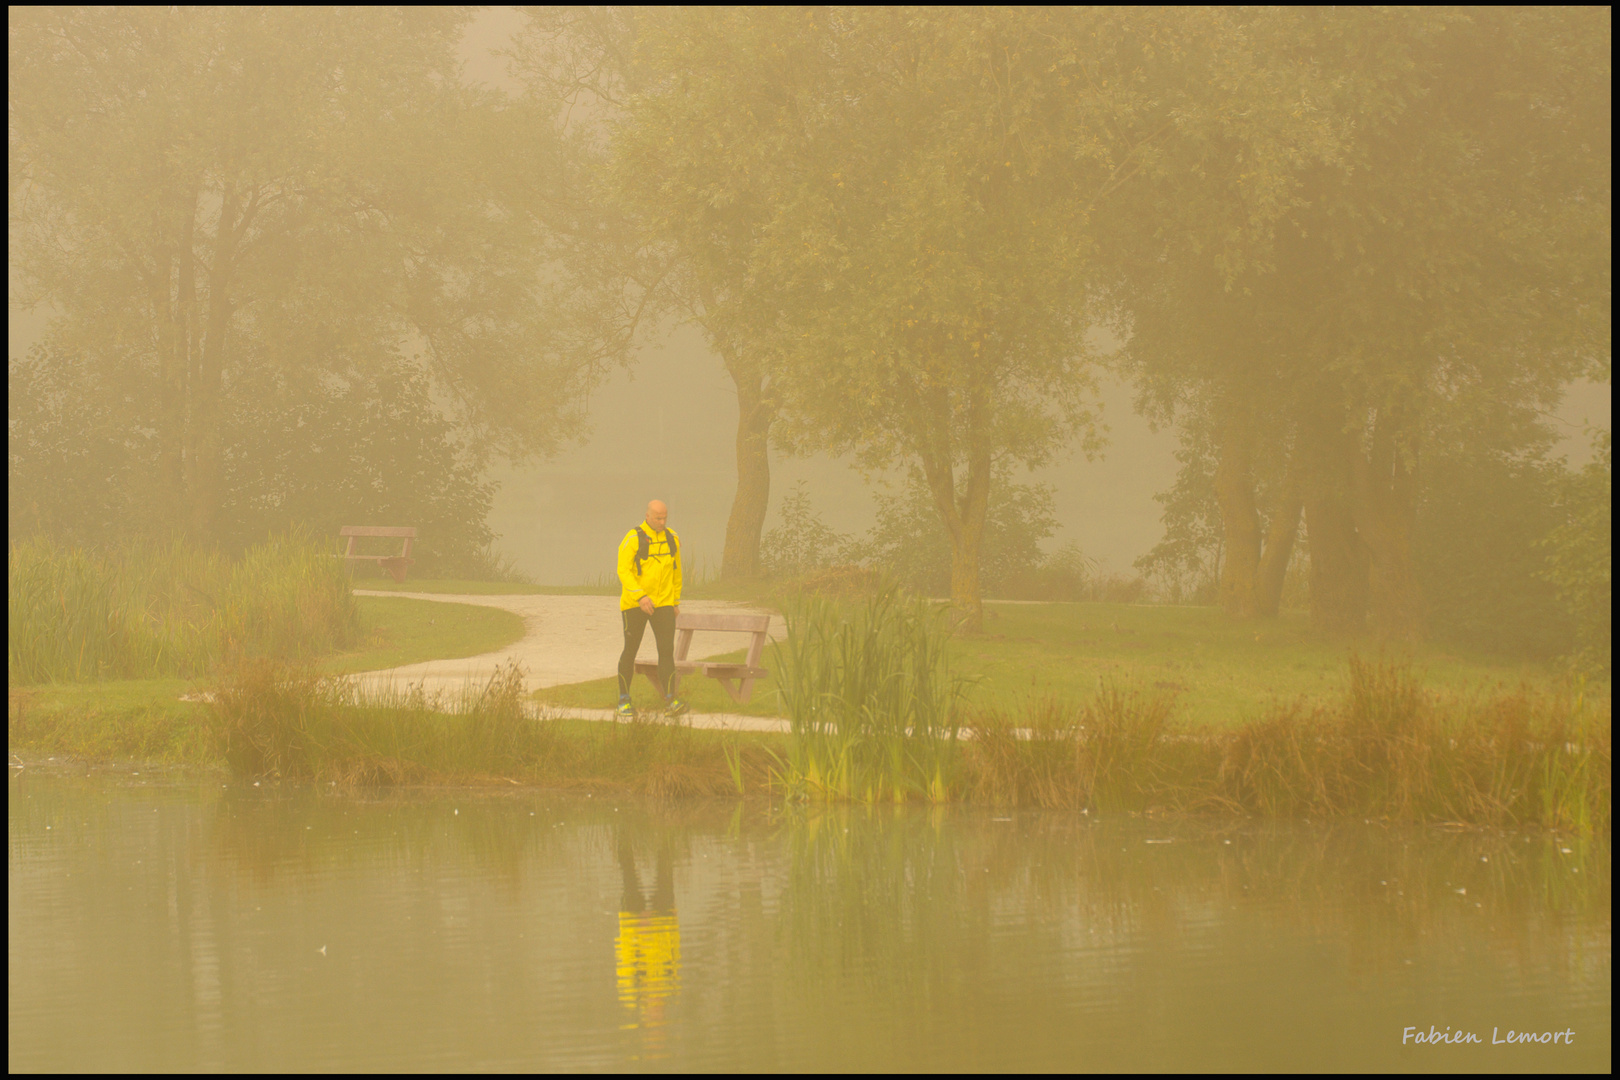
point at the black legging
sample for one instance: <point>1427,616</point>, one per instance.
<point>663,626</point>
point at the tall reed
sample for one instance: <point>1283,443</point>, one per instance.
<point>870,695</point>
<point>169,610</point>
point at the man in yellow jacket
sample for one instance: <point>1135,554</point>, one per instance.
<point>650,592</point>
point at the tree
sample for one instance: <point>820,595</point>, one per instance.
<point>882,184</point>
<point>907,543</point>
<point>678,241</point>
<point>318,453</point>
<point>206,193</point>
<point>1443,247</point>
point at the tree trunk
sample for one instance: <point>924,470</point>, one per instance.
<point>966,596</point>
<point>1338,566</point>
<point>963,512</point>
<point>206,393</point>
<point>174,362</point>
<point>169,483</point>
<point>1280,537</point>
<point>1385,481</point>
<point>1240,521</point>
<point>1338,559</point>
<point>755,411</point>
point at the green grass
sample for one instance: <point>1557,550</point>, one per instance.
<point>138,719</point>
<point>1219,671</point>
<point>401,630</point>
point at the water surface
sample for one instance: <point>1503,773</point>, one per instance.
<point>187,923</point>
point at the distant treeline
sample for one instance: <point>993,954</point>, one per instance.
<point>299,270</point>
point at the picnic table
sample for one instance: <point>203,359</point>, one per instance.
<point>727,674</point>
<point>396,565</point>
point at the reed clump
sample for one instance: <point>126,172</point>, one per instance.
<point>1114,752</point>
<point>1389,749</point>
<point>1385,749</point>
<point>869,692</point>
<point>175,610</point>
<point>285,720</point>
<point>271,718</point>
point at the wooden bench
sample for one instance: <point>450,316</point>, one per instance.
<point>396,565</point>
<point>742,674</point>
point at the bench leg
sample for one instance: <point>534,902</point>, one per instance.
<point>739,694</point>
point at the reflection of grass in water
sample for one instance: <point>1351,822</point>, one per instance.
<point>871,892</point>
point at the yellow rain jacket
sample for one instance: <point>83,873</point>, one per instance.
<point>659,573</point>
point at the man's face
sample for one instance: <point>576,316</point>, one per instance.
<point>657,514</point>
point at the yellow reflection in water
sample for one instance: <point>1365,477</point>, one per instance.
<point>649,953</point>
<point>647,950</point>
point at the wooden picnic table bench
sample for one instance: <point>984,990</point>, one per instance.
<point>396,565</point>
<point>726,674</point>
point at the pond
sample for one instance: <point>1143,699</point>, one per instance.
<point>189,922</point>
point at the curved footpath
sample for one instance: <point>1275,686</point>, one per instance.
<point>567,639</point>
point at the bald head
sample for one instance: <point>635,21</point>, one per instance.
<point>657,514</point>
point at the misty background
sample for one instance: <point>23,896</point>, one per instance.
<point>560,520</point>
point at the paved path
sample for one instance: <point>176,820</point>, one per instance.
<point>567,639</point>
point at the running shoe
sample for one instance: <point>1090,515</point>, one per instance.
<point>625,711</point>
<point>674,706</point>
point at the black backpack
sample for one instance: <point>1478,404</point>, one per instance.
<point>644,545</point>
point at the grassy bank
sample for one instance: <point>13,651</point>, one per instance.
<point>146,719</point>
<point>1381,749</point>
<point>886,706</point>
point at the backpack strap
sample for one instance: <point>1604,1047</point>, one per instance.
<point>644,545</point>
